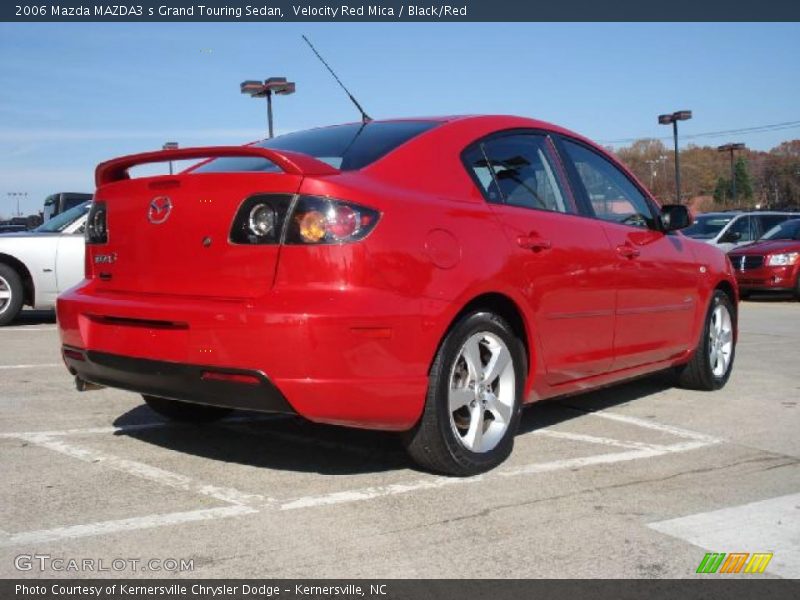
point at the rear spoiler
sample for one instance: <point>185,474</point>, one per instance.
<point>293,163</point>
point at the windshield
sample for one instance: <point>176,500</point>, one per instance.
<point>788,230</point>
<point>61,222</point>
<point>344,147</point>
<point>706,227</point>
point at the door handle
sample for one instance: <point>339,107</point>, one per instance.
<point>533,242</point>
<point>627,251</point>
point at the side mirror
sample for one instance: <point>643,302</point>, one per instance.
<point>674,217</point>
<point>730,237</point>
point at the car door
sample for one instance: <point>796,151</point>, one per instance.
<point>561,261</point>
<point>70,256</point>
<point>655,275</point>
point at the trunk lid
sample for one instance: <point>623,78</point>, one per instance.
<point>189,252</point>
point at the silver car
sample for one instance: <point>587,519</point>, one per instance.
<point>37,265</point>
<point>727,230</point>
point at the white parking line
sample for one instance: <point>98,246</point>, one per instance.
<point>240,503</point>
<point>766,526</point>
<point>134,524</point>
<point>144,471</point>
<point>23,328</point>
<point>647,424</point>
<point>40,366</point>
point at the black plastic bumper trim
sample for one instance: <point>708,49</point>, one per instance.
<point>177,381</point>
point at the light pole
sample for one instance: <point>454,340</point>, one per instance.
<point>731,148</point>
<point>653,163</point>
<point>680,115</point>
<point>273,85</point>
<point>170,146</point>
<point>17,196</point>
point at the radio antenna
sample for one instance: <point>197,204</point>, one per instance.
<point>365,118</point>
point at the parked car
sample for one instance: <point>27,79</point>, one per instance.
<point>35,266</point>
<point>772,263</point>
<point>729,230</point>
<point>426,276</point>
<point>55,204</point>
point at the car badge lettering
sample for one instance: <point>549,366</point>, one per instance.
<point>159,210</point>
<point>105,259</point>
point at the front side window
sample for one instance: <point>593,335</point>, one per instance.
<point>612,195</point>
<point>740,230</point>
<point>516,170</point>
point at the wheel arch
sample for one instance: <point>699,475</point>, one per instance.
<point>503,306</point>
<point>29,291</point>
<point>729,290</point>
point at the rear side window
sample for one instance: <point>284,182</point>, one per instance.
<point>767,222</point>
<point>345,147</point>
<point>516,170</point>
<point>612,195</point>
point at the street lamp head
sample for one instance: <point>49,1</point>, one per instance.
<point>279,85</point>
<point>679,115</point>
<point>252,88</point>
<point>731,147</point>
<point>285,89</point>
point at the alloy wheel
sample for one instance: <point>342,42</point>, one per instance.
<point>481,392</point>
<point>720,340</point>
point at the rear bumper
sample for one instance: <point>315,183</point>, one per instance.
<point>768,278</point>
<point>349,357</point>
<point>230,388</point>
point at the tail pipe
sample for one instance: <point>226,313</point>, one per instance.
<point>86,386</point>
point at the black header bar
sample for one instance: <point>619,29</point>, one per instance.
<point>277,11</point>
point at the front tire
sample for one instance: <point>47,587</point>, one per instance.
<point>11,292</point>
<point>186,412</point>
<point>712,362</point>
<point>475,389</point>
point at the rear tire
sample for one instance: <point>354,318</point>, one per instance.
<point>11,294</point>
<point>186,412</point>
<point>712,361</point>
<point>472,409</point>
<point>797,288</point>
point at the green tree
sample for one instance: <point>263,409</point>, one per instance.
<point>722,191</point>
<point>744,186</point>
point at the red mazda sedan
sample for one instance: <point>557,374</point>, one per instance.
<point>772,264</point>
<point>425,276</point>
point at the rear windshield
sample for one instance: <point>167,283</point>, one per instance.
<point>344,147</point>
<point>64,220</point>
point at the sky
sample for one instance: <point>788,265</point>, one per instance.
<point>75,94</point>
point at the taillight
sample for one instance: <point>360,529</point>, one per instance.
<point>97,224</point>
<point>317,220</point>
<point>265,219</point>
<point>260,219</point>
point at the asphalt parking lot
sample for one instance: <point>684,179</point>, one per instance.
<point>639,480</point>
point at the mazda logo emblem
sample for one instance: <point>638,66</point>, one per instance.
<point>159,210</point>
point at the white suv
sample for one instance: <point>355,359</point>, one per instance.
<point>727,230</point>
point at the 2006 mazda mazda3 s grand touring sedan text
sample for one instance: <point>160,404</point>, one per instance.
<point>425,276</point>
